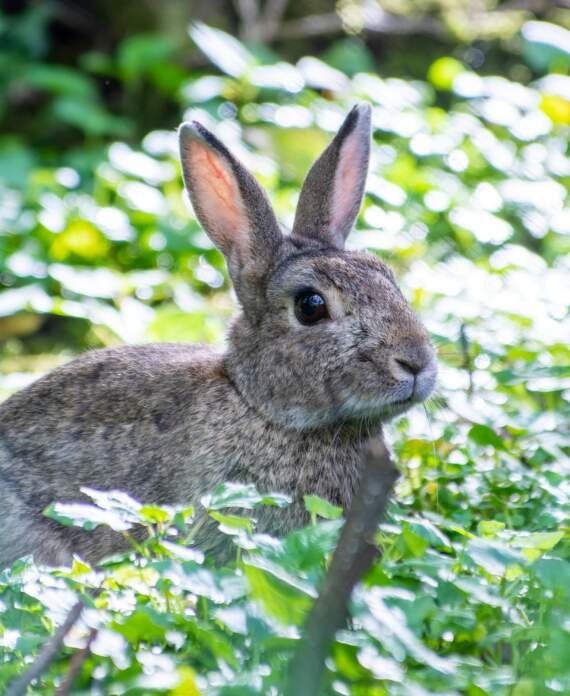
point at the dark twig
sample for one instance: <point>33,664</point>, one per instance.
<point>248,11</point>
<point>272,15</point>
<point>467,361</point>
<point>377,22</point>
<point>534,6</point>
<point>47,654</point>
<point>354,555</point>
<point>75,665</point>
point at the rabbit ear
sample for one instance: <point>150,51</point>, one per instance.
<point>333,190</point>
<point>229,203</point>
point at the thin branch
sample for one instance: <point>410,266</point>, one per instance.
<point>75,665</point>
<point>467,361</point>
<point>47,654</point>
<point>352,558</point>
<point>311,25</point>
<point>374,23</point>
<point>272,15</point>
<point>535,6</point>
<point>248,11</point>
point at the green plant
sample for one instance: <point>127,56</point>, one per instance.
<point>467,199</point>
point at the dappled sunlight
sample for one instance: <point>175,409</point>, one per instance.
<point>467,200</point>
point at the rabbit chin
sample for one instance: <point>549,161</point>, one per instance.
<point>382,410</point>
<point>354,409</point>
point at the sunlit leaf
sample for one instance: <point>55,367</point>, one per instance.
<point>318,506</point>
<point>485,435</point>
<point>282,595</point>
<point>187,684</point>
<point>443,72</point>
<point>494,558</point>
<point>225,51</point>
<point>86,516</point>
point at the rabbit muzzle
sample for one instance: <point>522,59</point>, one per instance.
<point>416,372</point>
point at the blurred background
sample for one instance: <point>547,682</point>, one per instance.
<point>467,198</point>
<point>466,195</point>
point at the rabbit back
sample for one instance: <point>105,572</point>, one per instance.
<point>130,418</point>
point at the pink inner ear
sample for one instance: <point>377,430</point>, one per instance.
<point>347,183</point>
<point>216,196</point>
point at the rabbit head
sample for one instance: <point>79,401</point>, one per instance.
<point>325,335</point>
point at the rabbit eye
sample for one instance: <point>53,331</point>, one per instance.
<point>310,307</point>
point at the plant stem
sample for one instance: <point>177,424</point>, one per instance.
<point>352,558</point>
<point>47,654</point>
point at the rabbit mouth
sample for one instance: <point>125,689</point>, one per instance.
<point>401,402</point>
<point>397,407</point>
<point>385,411</point>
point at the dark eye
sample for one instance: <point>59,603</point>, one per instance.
<point>310,307</point>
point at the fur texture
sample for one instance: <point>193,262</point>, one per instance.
<point>287,406</point>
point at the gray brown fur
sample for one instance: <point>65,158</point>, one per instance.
<point>286,406</point>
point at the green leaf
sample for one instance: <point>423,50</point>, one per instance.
<point>443,72</point>
<point>536,544</point>
<point>490,528</point>
<point>238,495</point>
<point>89,117</point>
<point>183,553</point>
<point>232,524</point>
<point>279,500</point>
<point>225,51</point>
<point>59,79</point>
<point>86,516</point>
<point>484,435</point>
<point>554,574</point>
<point>140,579</point>
<point>493,557</point>
<point>16,163</point>
<point>28,644</point>
<point>351,56</point>
<point>79,568</point>
<point>202,582</point>
<point>428,531</point>
<point>388,625</point>
<point>187,684</point>
<point>282,595</point>
<point>416,543</point>
<point>155,514</point>
<point>241,495</point>
<point>546,46</point>
<point>143,625</point>
<point>318,506</point>
<point>141,53</point>
<point>118,501</point>
<point>305,549</point>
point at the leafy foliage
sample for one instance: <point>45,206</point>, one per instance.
<point>467,199</point>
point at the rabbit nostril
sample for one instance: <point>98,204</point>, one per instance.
<point>412,368</point>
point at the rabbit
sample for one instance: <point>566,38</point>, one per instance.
<point>324,350</point>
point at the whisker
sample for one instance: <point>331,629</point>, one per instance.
<point>436,402</point>
<point>430,426</point>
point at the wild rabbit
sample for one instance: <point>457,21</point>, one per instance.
<point>325,349</point>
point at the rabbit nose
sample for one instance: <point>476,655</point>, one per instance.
<point>409,365</point>
<point>415,361</point>
<point>418,368</point>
